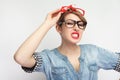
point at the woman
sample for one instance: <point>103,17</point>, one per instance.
<point>69,61</point>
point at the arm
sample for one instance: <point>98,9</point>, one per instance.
<point>24,54</point>
<point>106,59</point>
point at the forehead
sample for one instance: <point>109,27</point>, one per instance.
<point>72,16</point>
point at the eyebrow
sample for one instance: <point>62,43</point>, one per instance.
<point>73,20</point>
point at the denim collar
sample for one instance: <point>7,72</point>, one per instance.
<point>59,54</point>
<point>81,58</point>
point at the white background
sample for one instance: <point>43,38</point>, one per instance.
<point>19,18</point>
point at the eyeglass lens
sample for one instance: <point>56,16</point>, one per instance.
<point>71,23</point>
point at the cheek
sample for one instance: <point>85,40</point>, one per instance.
<point>81,33</point>
<point>65,33</point>
<point>65,30</point>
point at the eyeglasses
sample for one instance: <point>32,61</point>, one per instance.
<point>71,23</point>
<point>66,8</point>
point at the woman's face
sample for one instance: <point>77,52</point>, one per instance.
<point>71,34</point>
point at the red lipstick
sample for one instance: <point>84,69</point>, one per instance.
<point>75,35</point>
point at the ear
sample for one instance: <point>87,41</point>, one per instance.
<point>58,28</point>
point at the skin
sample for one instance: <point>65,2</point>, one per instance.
<point>68,47</point>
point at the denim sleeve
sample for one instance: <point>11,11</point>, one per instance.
<point>41,60</point>
<point>107,59</point>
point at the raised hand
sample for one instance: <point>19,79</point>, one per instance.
<point>53,17</point>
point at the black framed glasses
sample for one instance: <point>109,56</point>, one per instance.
<point>71,23</point>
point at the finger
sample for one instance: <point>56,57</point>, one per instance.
<point>55,13</point>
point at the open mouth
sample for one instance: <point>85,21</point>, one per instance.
<point>75,35</point>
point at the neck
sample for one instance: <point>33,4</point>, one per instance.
<point>68,49</point>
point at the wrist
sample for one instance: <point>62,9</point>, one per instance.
<point>45,26</point>
<point>50,22</point>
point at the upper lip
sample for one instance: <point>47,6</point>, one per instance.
<point>75,33</point>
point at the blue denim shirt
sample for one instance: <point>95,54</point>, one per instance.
<point>57,67</point>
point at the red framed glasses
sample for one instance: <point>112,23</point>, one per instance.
<point>66,8</point>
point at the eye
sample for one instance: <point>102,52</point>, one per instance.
<point>69,23</point>
<point>80,24</point>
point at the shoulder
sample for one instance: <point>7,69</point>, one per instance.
<point>89,49</point>
<point>88,46</point>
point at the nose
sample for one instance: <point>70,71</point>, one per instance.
<point>76,27</point>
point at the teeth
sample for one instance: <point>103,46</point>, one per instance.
<point>75,35</point>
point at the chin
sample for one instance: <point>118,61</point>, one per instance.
<point>75,41</point>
